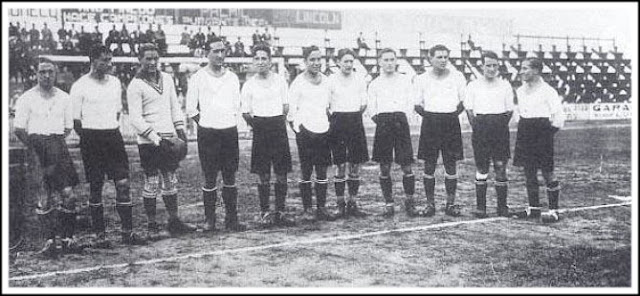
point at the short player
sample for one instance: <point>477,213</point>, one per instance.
<point>308,117</point>
<point>157,117</point>
<point>97,104</point>
<point>439,93</point>
<point>213,102</point>
<point>43,120</point>
<point>489,106</point>
<point>540,109</point>
<point>265,104</point>
<point>347,138</point>
<point>389,103</point>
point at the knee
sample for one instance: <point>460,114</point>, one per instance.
<point>282,179</point>
<point>481,177</point>
<point>450,168</point>
<point>532,182</point>
<point>169,182</point>
<point>151,186</point>
<point>553,185</point>
<point>429,169</point>
<point>122,190</point>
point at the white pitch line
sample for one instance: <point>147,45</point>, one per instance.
<point>289,244</point>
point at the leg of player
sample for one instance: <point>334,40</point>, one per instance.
<point>409,186</point>
<point>502,183</point>
<point>553,193</point>
<point>354,184</point>
<point>230,198</point>
<point>264,190</point>
<point>306,170</point>
<point>96,209</point>
<point>67,221</point>
<point>340,184</point>
<point>429,181</point>
<point>47,215</point>
<point>169,192</point>
<point>533,190</point>
<point>386,186</point>
<point>124,207</point>
<point>322,214</point>
<point>451,184</point>
<point>210,198</point>
<point>281,188</point>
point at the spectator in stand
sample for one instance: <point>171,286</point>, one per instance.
<point>185,37</point>
<point>266,37</point>
<point>193,44</point>
<point>210,36</point>
<point>362,43</point>
<point>65,79</point>
<point>256,38</point>
<point>67,46</point>
<point>112,38</point>
<point>239,48</point>
<point>34,35</point>
<point>47,38</point>
<point>13,30</point>
<point>24,34</point>
<point>96,36</point>
<point>161,41</point>
<point>62,34</point>
<point>125,38</point>
<point>72,32</point>
<point>150,35</point>
<point>228,50</point>
<point>200,39</point>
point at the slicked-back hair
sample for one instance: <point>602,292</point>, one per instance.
<point>97,51</point>
<point>345,51</point>
<point>489,54</point>
<point>307,51</point>
<point>535,64</point>
<point>386,50</point>
<point>261,47</point>
<point>146,47</point>
<point>438,47</point>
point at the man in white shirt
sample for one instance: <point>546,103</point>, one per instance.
<point>158,119</point>
<point>540,109</point>
<point>389,103</point>
<point>43,120</point>
<point>308,117</point>
<point>265,104</point>
<point>213,102</point>
<point>347,137</point>
<point>97,103</point>
<point>489,105</point>
<point>439,93</point>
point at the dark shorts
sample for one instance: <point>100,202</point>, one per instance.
<point>103,153</point>
<point>534,144</point>
<point>53,154</point>
<point>490,139</point>
<point>154,159</point>
<point>313,148</point>
<point>440,132</point>
<point>392,136</point>
<point>270,146</point>
<point>218,150</point>
<point>347,139</point>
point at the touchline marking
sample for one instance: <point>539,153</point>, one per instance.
<point>289,244</point>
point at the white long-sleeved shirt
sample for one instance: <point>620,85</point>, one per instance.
<point>308,104</point>
<point>489,98</point>
<point>540,101</point>
<point>348,93</point>
<point>439,94</point>
<point>264,98</point>
<point>44,116</point>
<point>216,99</point>
<point>154,110</point>
<point>388,95</point>
<point>97,103</point>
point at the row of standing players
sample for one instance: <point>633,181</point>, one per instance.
<point>324,112</point>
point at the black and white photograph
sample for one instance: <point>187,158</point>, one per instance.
<point>319,147</point>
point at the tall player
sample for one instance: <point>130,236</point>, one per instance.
<point>389,103</point>
<point>213,102</point>
<point>308,116</point>
<point>157,117</point>
<point>489,105</point>
<point>439,96</point>
<point>43,120</point>
<point>97,104</point>
<point>540,109</point>
<point>265,104</point>
<point>347,138</point>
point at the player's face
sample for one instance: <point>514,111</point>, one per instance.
<point>388,62</point>
<point>261,61</point>
<point>346,64</point>
<point>314,62</point>
<point>46,75</point>
<point>103,65</point>
<point>439,59</point>
<point>149,62</point>
<point>490,67</point>
<point>216,54</point>
<point>526,72</point>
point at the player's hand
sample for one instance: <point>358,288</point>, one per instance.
<point>165,144</point>
<point>196,119</point>
<point>248,118</point>
<point>182,135</point>
<point>375,119</point>
<point>419,109</point>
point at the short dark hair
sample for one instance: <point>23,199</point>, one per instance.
<point>489,54</point>
<point>345,51</point>
<point>215,39</point>
<point>438,47</point>
<point>261,47</point>
<point>97,51</point>
<point>535,64</point>
<point>307,51</point>
<point>48,61</point>
<point>146,47</point>
<point>386,50</point>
